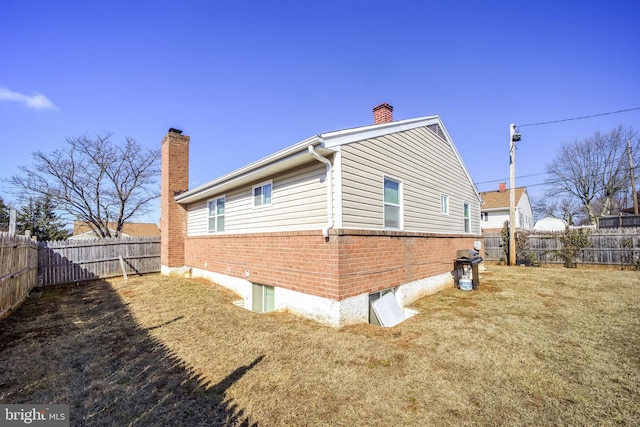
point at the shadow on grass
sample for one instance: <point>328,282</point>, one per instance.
<point>81,346</point>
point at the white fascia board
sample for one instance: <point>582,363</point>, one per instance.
<point>246,173</point>
<point>333,140</point>
<point>329,141</point>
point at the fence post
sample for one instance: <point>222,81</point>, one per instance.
<point>12,221</point>
<point>124,269</point>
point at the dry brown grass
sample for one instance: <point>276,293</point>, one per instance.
<point>530,347</point>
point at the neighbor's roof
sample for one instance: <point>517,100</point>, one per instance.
<point>324,144</point>
<point>550,224</point>
<point>133,229</point>
<point>500,200</point>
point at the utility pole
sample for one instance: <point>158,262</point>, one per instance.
<point>513,138</point>
<point>633,179</point>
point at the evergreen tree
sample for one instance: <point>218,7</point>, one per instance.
<point>39,216</point>
<point>4,215</point>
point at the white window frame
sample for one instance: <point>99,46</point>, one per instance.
<point>484,216</point>
<point>215,216</point>
<point>399,205</point>
<point>466,218</point>
<point>444,204</point>
<point>261,186</point>
<point>265,300</point>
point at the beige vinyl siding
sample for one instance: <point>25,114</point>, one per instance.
<point>197,216</point>
<point>298,202</point>
<point>426,165</point>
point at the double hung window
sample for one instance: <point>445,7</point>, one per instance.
<point>392,204</point>
<point>444,202</point>
<point>215,210</point>
<point>467,218</point>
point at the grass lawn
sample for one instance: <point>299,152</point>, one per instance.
<point>532,346</point>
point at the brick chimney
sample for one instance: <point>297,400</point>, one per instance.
<point>173,217</point>
<point>383,113</point>
<point>502,187</point>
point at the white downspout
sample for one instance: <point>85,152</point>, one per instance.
<point>327,163</point>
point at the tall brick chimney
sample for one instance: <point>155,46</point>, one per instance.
<point>383,113</point>
<point>174,180</point>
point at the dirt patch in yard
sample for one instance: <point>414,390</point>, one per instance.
<point>530,347</point>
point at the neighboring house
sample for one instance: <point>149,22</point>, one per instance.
<point>327,225</point>
<point>81,230</point>
<point>550,224</point>
<point>495,209</point>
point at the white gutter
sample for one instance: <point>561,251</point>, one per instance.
<point>195,194</point>
<point>327,163</point>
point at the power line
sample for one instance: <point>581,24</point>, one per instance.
<point>579,118</point>
<point>518,177</point>
<point>554,181</point>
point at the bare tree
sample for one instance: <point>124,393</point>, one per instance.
<point>568,209</point>
<point>95,180</point>
<point>612,156</point>
<point>593,171</point>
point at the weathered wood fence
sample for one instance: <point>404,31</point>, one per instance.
<point>612,246</point>
<point>18,270</point>
<point>619,221</point>
<point>69,261</point>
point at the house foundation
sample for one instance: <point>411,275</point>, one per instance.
<point>327,281</point>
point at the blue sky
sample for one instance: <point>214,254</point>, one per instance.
<point>245,79</point>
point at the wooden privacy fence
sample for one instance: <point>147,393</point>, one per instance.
<point>68,261</point>
<point>619,221</point>
<point>612,246</point>
<point>18,270</point>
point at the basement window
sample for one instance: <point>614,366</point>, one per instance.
<point>374,296</point>
<point>262,298</point>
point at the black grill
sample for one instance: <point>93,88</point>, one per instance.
<point>466,258</point>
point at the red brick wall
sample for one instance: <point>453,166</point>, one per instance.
<point>376,260</point>
<point>353,262</point>
<point>174,180</point>
<point>301,261</point>
<point>383,113</point>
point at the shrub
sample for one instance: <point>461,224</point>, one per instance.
<point>572,243</point>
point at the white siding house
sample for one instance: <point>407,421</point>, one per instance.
<point>495,210</point>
